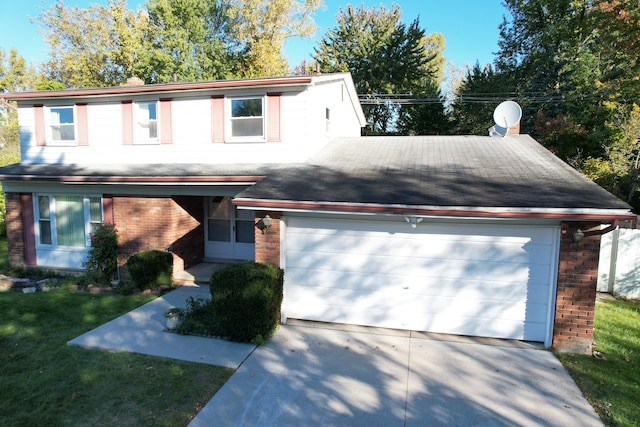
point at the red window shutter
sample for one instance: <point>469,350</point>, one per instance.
<point>82,124</point>
<point>40,130</point>
<point>165,122</point>
<point>107,210</point>
<point>273,117</point>
<point>217,118</point>
<point>127,123</point>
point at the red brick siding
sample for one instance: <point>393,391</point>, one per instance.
<point>268,243</point>
<point>576,293</point>
<point>15,232</point>
<point>158,223</point>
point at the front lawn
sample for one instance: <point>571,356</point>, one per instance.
<point>612,384</point>
<point>46,382</point>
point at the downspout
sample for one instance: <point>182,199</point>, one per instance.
<point>6,104</point>
<point>614,251</point>
<point>613,260</point>
<point>611,227</point>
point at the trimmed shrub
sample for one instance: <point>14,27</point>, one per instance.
<point>246,300</point>
<point>151,269</point>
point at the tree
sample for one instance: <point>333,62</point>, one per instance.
<point>617,25</point>
<point>261,27</point>
<point>385,57</point>
<point>575,65</point>
<point>92,47</point>
<point>15,74</point>
<point>187,39</point>
<point>478,94</point>
<point>559,53</point>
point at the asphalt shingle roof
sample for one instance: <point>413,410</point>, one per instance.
<point>447,171</point>
<point>432,171</point>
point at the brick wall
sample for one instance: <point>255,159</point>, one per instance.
<point>15,233</point>
<point>576,293</point>
<point>268,243</point>
<point>160,223</point>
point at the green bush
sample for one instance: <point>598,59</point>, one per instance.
<point>198,318</point>
<point>151,269</point>
<point>102,262</point>
<point>246,300</point>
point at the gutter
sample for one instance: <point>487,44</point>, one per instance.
<point>164,87</point>
<point>442,211</point>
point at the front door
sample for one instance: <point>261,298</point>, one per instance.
<point>229,232</point>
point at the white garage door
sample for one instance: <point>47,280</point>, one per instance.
<point>466,279</point>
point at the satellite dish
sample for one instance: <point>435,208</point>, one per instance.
<point>506,115</point>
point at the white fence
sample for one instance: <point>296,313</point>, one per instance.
<point>619,267</point>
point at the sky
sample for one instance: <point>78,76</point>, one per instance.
<point>470,27</point>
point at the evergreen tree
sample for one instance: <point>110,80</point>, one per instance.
<point>385,57</point>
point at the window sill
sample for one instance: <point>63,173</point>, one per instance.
<point>248,140</point>
<point>147,142</point>
<point>62,143</point>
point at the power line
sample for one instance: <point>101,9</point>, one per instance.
<point>413,99</point>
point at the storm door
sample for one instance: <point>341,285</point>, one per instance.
<point>229,232</point>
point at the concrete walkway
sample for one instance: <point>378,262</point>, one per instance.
<point>143,331</point>
<point>316,376</point>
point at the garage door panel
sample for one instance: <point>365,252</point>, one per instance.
<point>437,322</point>
<point>442,231</point>
<point>409,246</point>
<point>414,304</point>
<point>413,266</point>
<point>429,286</point>
<point>453,278</point>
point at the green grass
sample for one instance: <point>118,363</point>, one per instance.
<point>612,385</point>
<point>45,382</point>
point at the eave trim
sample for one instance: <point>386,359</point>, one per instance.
<point>480,212</point>
<point>160,88</point>
<point>135,179</point>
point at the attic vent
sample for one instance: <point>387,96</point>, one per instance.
<point>134,81</point>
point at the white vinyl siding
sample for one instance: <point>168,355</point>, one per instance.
<point>456,278</point>
<point>302,131</point>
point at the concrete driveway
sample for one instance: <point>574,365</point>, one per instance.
<point>311,374</point>
<point>308,376</point>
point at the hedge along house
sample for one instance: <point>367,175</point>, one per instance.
<point>466,235</point>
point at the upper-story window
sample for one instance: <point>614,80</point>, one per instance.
<point>327,117</point>
<point>62,124</point>
<point>146,122</point>
<point>247,119</point>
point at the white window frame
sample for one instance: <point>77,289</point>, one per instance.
<point>140,120</point>
<point>230,119</point>
<point>88,222</point>
<point>327,123</point>
<point>50,124</point>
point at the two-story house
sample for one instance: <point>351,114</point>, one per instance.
<point>467,235</point>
